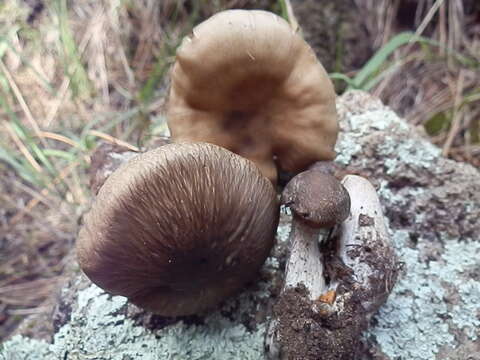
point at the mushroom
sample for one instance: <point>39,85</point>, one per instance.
<point>179,228</point>
<point>318,202</point>
<point>245,81</point>
<point>331,294</point>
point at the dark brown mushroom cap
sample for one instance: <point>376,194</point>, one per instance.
<point>318,199</point>
<point>179,228</point>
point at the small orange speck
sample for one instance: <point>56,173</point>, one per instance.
<point>328,297</point>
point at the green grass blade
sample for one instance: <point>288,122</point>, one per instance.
<point>120,119</point>
<point>343,77</point>
<point>4,40</point>
<point>19,164</point>
<point>374,65</point>
<point>283,9</point>
<point>23,169</point>
<point>60,154</point>
<point>370,83</point>
<point>45,83</point>
<point>78,77</point>
<point>368,76</point>
<point>6,44</point>
<point>148,90</point>
<point>24,134</point>
<point>471,97</point>
<point>462,59</point>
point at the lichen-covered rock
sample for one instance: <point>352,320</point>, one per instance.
<point>99,326</point>
<point>433,208</point>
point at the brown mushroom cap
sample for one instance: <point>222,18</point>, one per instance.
<point>245,81</point>
<point>318,199</point>
<point>179,228</point>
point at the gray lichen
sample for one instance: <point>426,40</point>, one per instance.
<point>412,317</point>
<point>433,205</point>
<point>420,318</point>
<point>99,330</point>
<point>21,348</point>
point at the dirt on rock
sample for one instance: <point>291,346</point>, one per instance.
<point>313,330</point>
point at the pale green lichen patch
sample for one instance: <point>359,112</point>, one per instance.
<point>419,319</point>
<point>20,348</point>
<point>466,315</point>
<point>355,128</point>
<point>398,199</point>
<point>435,304</point>
<point>98,331</point>
<point>462,259</point>
<point>407,153</point>
<point>411,327</point>
<point>284,226</point>
<point>378,119</point>
<point>346,148</point>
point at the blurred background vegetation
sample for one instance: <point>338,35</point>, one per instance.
<point>74,73</point>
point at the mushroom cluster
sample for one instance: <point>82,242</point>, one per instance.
<point>340,269</point>
<point>180,228</point>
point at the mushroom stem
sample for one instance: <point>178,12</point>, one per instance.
<point>318,202</point>
<point>364,245</point>
<point>304,264</point>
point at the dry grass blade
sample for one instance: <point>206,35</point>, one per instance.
<point>419,89</point>
<point>289,15</point>
<point>20,98</point>
<point>34,202</point>
<point>457,114</point>
<point>23,149</point>
<point>29,293</point>
<point>53,110</point>
<point>31,311</point>
<point>65,86</point>
<point>428,18</point>
<point>113,140</point>
<point>45,198</point>
<point>58,137</point>
<point>419,31</point>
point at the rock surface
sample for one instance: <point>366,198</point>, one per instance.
<point>433,209</point>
